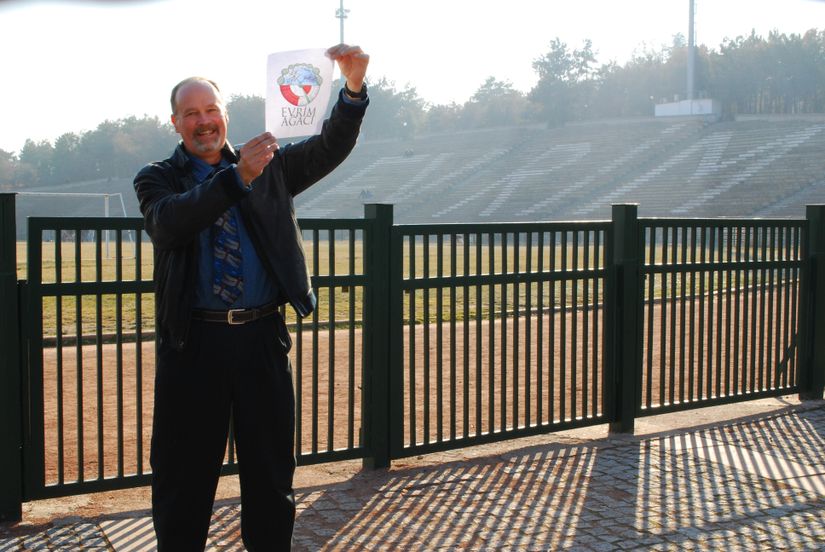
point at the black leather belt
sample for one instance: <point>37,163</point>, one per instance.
<point>235,316</point>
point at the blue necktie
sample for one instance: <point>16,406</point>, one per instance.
<point>227,274</point>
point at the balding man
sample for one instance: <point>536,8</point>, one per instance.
<point>228,253</point>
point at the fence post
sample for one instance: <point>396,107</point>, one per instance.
<point>625,319</point>
<point>11,420</point>
<point>812,330</point>
<point>376,381</point>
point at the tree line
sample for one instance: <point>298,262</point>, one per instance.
<point>777,74</point>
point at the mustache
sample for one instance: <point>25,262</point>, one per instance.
<point>206,128</point>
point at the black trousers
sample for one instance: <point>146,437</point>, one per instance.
<point>243,370</point>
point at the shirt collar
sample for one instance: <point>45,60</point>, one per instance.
<point>201,169</point>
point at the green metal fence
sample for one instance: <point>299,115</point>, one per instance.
<point>500,331</point>
<point>88,337</point>
<point>721,310</point>
<point>427,337</point>
<point>85,337</point>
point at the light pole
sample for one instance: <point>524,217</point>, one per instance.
<point>341,14</point>
<point>691,55</point>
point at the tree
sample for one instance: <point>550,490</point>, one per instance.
<point>67,158</point>
<point>8,170</point>
<point>392,113</point>
<point>442,117</point>
<point>138,141</point>
<point>495,103</point>
<point>37,158</point>
<point>566,81</point>
<point>99,149</point>
<point>246,117</point>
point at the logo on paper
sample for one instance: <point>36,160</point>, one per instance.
<point>300,83</point>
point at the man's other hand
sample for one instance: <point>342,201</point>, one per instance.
<point>255,155</point>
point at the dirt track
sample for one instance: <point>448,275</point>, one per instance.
<point>509,369</point>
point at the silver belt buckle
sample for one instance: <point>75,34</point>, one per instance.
<point>230,317</point>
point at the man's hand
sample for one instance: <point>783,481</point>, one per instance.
<point>353,64</point>
<point>255,155</point>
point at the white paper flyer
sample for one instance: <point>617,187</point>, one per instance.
<point>299,85</point>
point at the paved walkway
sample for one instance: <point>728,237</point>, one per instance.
<point>756,483</point>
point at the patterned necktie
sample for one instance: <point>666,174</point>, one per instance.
<point>227,276</point>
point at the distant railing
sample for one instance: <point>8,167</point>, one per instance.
<point>427,337</point>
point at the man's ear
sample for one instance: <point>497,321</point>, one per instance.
<point>174,122</point>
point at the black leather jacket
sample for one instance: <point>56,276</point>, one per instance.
<point>176,209</point>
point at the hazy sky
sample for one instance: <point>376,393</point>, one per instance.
<point>67,66</point>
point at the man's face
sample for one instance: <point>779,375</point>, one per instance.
<point>201,120</point>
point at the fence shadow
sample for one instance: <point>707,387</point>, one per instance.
<point>753,483</point>
<point>732,486</point>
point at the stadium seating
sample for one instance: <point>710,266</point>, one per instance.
<point>768,166</point>
<point>669,166</point>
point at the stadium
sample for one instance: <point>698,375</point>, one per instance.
<point>487,289</point>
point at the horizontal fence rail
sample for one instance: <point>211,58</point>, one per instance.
<point>503,331</point>
<point>426,337</point>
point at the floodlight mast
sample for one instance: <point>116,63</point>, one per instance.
<point>691,57</point>
<point>341,14</point>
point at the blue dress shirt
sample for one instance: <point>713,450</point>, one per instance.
<point>259,289</point>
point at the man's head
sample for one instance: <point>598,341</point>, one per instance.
<point>199,116</point>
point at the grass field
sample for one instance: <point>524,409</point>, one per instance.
<point>89,263</point>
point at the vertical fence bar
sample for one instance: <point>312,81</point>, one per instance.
<point>376,382</point>
<point>425,350</point>
<point>540,331</point>
<point>812,317</point>
<point>314,365</point>
<point>491,341</point>
<point>650,236</point>
<point>528,331</point>
<point>453,347</point>
<point>98,278</point>
<point>58,277</point>
<point>737,293</point>
<point>479,269</point>
<point>551,334</point>
<point>466,348</point>
<point>439,340</point>
<point>516,329</point>
<point>351,341</point>
<point>683,277</point>
<point>574,326</point>
<point>11,465</point>
<point>412,422</point>
<point>625,318</point>
<point>563,331</point>
<point>503,327</point>
<point>597,313</point>
<point>139,355</point>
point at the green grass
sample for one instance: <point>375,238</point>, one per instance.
<point>81,264</point>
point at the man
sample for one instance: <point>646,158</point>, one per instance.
<point>228,252</point>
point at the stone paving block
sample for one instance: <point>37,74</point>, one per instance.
<point>654,493</point>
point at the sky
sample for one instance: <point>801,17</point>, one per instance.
<point>69,65</point>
